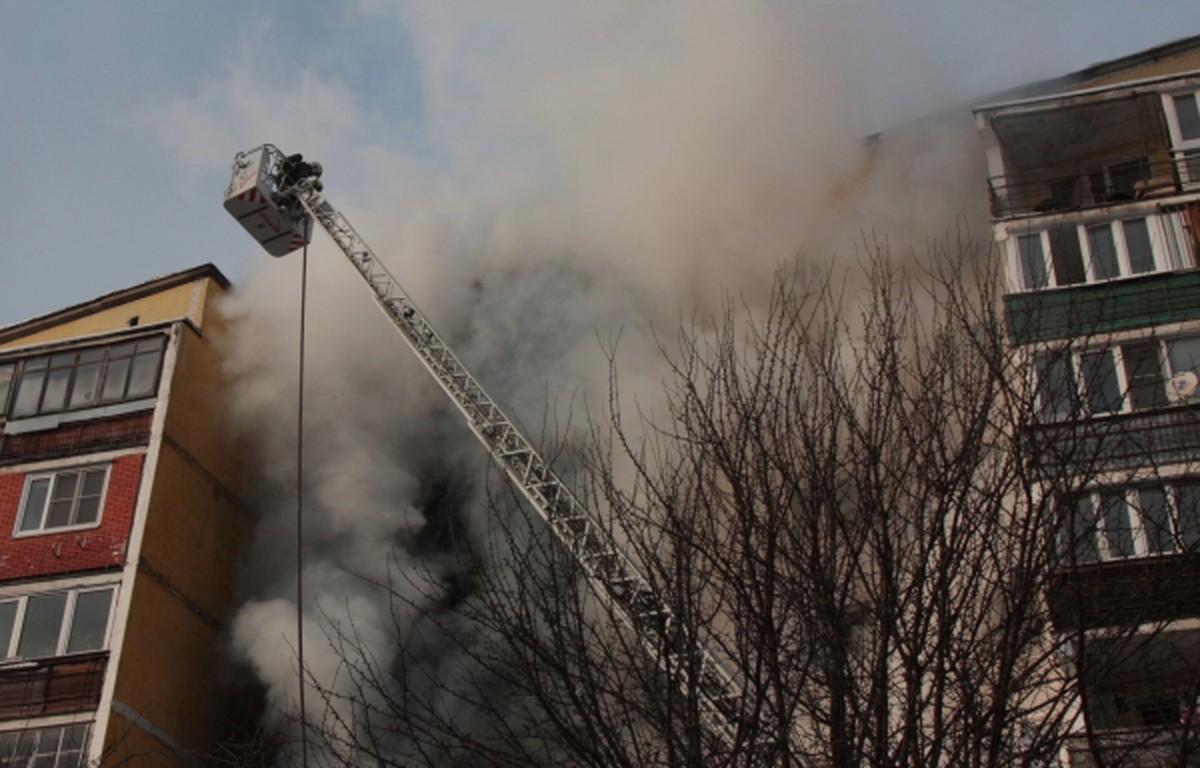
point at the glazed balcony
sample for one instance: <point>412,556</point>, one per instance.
<point>54,686</point>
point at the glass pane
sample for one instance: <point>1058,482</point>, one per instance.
<point>1189,116</point>
<point>93,355</point>
<point>91,621</point>
<point>1100,382</point>
<point>8,617</point>
<point>154,344</point>
<point>121,350</point>
<point>43,622</point>
<point>87,511</point>
<point>1118,533</point>
<point>29,393</point>
<point>93,482</point>
<point>85,389</point>
<point>144,375</point>
<point>59,513</point>
<point>6,374</point>
<point>1188,497</point>
<point>64,485</point>
<point>35,504</point>
<point>1067,256</point>
<point>1183,355</point>
<point>74,736</point>
<point>1143,373</point>
<point>1104,252</point>
<point>1056,385</point>
<point>1083,532</point>
<point>1156,519</point>
<point>114,379</point>
<point>55,398</point>
<point>1033,261</point>
<point>1137,242</point>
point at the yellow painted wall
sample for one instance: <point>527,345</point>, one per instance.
<point>188,300</point>
<point>169,670</point>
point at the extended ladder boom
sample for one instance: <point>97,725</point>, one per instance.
<point>613,576</point>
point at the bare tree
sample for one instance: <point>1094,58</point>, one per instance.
<point>853,498</point>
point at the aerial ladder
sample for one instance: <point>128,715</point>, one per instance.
<point>277,197</point>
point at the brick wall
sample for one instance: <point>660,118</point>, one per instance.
<point>53,554</point>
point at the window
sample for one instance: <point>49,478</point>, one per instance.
<point>1072,254</point>
<point>1135,521</point>
<point>60,747</point>
<point>55,623</point>
<point>65,499</point>
<point>6,376</point>
<point>87,378</point>
<point>1133,376</point>
<point>1183,112</point>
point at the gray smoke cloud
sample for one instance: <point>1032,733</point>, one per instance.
<point>584,174</point>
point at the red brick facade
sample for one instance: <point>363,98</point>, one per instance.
<point>55,554</point>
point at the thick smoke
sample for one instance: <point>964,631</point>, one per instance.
<point>578,173</point>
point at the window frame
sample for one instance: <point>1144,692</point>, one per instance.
<point>53,475</point>
<point>9,652</point>
<point>1103,543</point>
<point>51,395</point>
<point>1185,151</point>
<point>1079,379</point>
<point>27,748</point>
<point>1158,241</point>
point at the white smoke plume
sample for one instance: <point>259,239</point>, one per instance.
<point>574,173</point>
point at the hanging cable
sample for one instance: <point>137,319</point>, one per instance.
<point>300,511</point>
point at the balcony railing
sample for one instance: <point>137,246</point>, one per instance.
<point>1092,446</point>
<point>1126,592</point>
<point>56,686</point>
<point>1168,745</point>
<point>1120,180</point>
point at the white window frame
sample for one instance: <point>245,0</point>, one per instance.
<point>1159,251</point>
<point>1182,147</point>
<point>1079,382</point>
<point>1140,538</point>
<point>52,476</point>
<point>8,653</point>
<point>32,736</point>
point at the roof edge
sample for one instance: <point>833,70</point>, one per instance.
<point>112,299</point>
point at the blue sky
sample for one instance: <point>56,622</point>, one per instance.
<point>121,118</point>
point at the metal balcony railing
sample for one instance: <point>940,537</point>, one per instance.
<point>54,686</point>
<point>1120,180</point>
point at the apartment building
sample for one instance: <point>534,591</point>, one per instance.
<point>1095,195</point>
<point>120,509</point>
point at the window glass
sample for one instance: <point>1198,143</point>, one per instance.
<point>42,625</point>
<point>1100,382</point>
<point>66,498</point>
<point>1067,256</point>
<point>1082,526</point>
<point>1104,252</point>
<point>1156,519</point>
<point>1033,261</point>
<point>1118,532</point>
<point>8,619</point>
<point>115,378</point>
<point>1189,116</point>
<point>90,622</point>
<point>1137,242</point>
<point>1056,385</point>
<point>143,377</point>
<point>87,385</point>
<point>29,392</point>
<point>1188,498</point>
<point>6,374</point>
<point>35,504</point>
<point>1143,374</point>
<point>1183,355</point>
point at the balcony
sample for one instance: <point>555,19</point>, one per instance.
<point>1091,446</point>
<point>1129,592</point>
<point>1086,150</point>
<point>55,686</point>
<point>1138,746</point>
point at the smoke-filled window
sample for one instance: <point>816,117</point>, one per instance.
<point>87,378</point>
<point>62,500</point>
